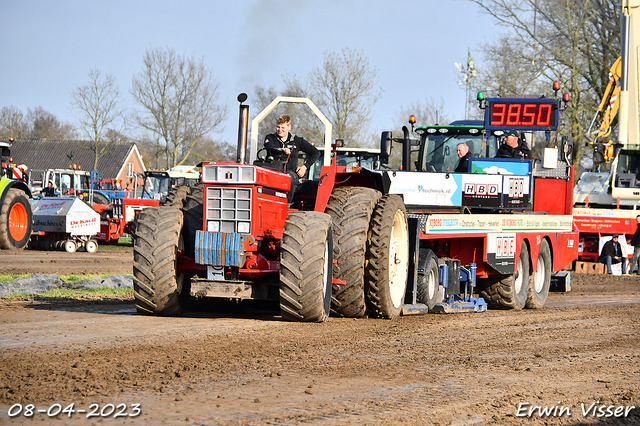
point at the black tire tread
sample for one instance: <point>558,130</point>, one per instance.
<point>428,260</point>
<point>177,196</point>
<point>350,209</point>
<point>154,261</point>
<point>302,277</point>
<point>537,301</point>
<point>500,293</point>
<point>377,281</point>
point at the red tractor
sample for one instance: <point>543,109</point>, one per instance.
<point>120,218</point>
<point>357,241</point>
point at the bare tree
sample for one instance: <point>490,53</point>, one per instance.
<point>100,111</point>
<point>178,102</point>
<point>427,113</point>
<point>345,88</point>
<point>572,41</point>
<point>13,123</point>
<point>45,125</point>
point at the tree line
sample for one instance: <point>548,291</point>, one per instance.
<point>177,108</point>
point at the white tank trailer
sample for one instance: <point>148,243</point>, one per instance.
<point>64,223</point>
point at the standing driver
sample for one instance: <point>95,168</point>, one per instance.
<point>286,146</point>
<point>513,147</point>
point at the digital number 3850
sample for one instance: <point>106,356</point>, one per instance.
<point>522,114</point>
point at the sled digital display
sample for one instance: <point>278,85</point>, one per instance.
<point>522,114</point>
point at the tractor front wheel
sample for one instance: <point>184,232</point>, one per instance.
<point>306,265</point>
<point>156,283</point>
<point>15,220</point>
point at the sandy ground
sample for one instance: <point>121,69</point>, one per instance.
<point>248,367</point>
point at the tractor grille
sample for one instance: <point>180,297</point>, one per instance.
<point>228,210</point>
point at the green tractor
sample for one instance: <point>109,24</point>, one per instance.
<point>15,208</point>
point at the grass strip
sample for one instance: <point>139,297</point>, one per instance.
<point>63,293</point>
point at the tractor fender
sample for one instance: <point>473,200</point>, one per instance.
<point>6,184</point>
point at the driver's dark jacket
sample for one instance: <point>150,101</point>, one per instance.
<point>520,152</point>
<point>274,146</point>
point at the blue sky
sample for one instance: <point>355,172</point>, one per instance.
<point>47,48</point>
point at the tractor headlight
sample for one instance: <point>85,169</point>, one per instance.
<point>213,226</point>
<point>244,227</point>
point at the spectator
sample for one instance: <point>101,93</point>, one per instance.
<point>463,153</point>
<point>635,242</point>
<point>612,254</point>
<point>513,147</point>
<point>50,190</point>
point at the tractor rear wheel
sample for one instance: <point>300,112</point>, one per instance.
<point>350,209</point>
<point>387,270</point>
<point>156,283</point>
<point>429,290</point>
<point>306,259</point>
<point>177,196</point>
<point>540,279</point>
<point>510,292</point>
<point>15,220</point>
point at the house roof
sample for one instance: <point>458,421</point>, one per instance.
<point>39,154</point>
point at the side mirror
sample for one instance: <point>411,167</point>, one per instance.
<point>385,146</point>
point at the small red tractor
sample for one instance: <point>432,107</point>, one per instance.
<point>357,241</point>
<point>121,217</point>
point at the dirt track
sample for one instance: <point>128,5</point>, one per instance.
<point>251,368</point>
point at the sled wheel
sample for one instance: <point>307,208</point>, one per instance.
<point>510,292</point>
<point>429,290</point>
<point>70,246</point>
<point>15,220</point>
<point>386,272</point>
<point>350,209</point>
<point>541,279</point>
<point>306,267</point>
<point>156,283</point>
<point>91,246</point>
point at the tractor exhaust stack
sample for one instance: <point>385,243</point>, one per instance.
<point>243,127</point>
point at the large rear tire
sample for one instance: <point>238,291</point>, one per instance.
<point>387,270</point>
<point>350,209</point>
<point>429,290</point>
<point>177,196</point>
<point>540,279</point>
<point>306,258</point>
<point>511,291</point>
<point>156,283</point>
<point>15,220</point>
